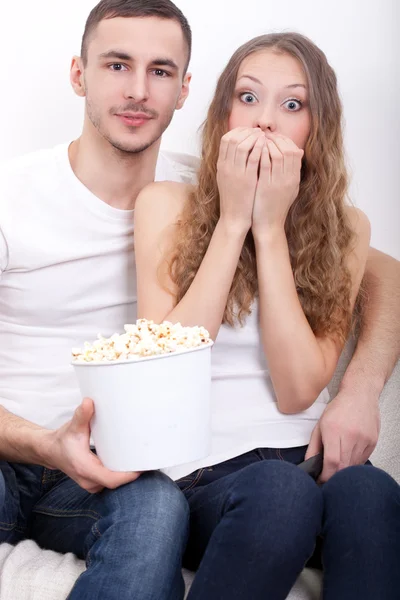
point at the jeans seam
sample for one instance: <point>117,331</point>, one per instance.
<point>195,481</point>
<point>97,535</point>
<point>53,512</point>
<point>12,527</point>
<point>8,524</point>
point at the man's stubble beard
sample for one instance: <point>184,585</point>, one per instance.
<point>125,150</point>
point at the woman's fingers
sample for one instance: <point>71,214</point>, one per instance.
<point>292,155</point>
<point>236,145</point>
<point>225,141</point>
<point>266,163</point>
<point>254,157</point>
<point>277,161</point>
<point>245,148</point>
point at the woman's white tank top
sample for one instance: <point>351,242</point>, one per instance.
<point>244,408</point>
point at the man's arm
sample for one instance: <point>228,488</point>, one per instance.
<point>378,347</point>
<point>22,441</point>
<point>349,428</point>
<point>66,448</point>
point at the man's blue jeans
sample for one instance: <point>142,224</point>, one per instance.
<point>255,519</point>
<point>132,538</point>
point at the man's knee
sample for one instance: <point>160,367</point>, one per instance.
<point>361,495</point>
<point>363,485</point>
<point>2,490</point>
<point>152,503</point>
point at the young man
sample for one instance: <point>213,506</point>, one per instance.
<point>67,271</point>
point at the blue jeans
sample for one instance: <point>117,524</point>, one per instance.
<point>132,538</point>
<point>255,521</point>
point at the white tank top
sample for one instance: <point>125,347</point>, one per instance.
<point>244,409</point>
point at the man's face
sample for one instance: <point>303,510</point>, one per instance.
<point>133,80</point>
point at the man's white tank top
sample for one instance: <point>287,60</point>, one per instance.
<point>244,408</point>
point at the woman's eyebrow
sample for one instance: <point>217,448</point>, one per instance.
<point>252,78</point>
<point>295,85</point>
<point>291,86</point>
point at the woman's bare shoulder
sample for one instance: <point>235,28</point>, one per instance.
<point>359,221</point>
<point>164,195</point>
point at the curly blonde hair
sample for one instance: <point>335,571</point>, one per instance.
<point>318,231</point>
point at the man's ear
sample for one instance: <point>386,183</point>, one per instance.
<point>184,91</point>
<point>76,76</point>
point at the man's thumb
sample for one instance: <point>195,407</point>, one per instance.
<point>82,415</point>
<point>315,445</point>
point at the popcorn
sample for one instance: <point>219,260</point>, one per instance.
<point>146,338</point>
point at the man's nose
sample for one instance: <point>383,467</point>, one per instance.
<point>137,88</point>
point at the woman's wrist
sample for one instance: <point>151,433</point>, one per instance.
<point>232,228</point>
<point>270,234</point>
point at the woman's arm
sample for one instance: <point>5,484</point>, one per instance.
<point>300,363</point>
<point>157,211</point>
<point>205,301</point>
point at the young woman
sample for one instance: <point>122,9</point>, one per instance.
<point>266,253</point>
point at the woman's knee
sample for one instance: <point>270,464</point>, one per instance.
<point>280,495</point>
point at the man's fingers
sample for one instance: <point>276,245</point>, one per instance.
<point>113,479</point>
<point>315,445</point>
<point>331,457</point>
<point>118,479</point>
<point>360,454</point>
<point>100,475</point>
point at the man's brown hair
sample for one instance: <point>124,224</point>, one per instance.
<point>111,9</point>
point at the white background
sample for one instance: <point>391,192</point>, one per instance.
<point>38,108</point>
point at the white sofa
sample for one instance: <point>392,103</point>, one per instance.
<point>29,573</point>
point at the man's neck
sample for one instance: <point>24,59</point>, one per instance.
<point>113,177</point>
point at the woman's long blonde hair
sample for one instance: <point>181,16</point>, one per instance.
<point>318,232</point>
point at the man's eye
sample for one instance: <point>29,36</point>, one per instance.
<point>118,67</point>
<point>248,98</point>
<point>160,73</point>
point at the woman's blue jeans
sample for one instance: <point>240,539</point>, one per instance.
<point>132,538</point>
<point>255,520</point>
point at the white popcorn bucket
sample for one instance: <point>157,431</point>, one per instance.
<point>150,413</point>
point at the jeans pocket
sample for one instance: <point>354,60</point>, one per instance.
<point>188,482</point>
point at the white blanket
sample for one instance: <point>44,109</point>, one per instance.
<point>29,573</point>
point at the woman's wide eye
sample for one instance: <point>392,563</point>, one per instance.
<point>293,105</point>
<point>248,98</point>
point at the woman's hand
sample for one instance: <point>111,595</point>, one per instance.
<point>278,183</point>
<point>237,171</point>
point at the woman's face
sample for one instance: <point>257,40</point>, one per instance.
<point>271,92</point>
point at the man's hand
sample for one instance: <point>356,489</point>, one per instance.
<point>348,432</point>
<point>68,449</point>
